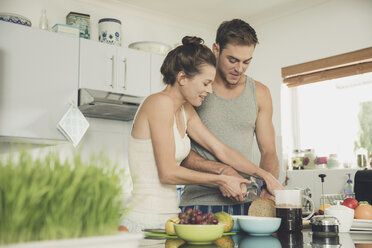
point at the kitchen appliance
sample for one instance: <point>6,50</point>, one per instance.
<point>108,105</point>
<point>306,204</point>
<point>363,185</point>
<point>324,226</point>
<point>288,204</point>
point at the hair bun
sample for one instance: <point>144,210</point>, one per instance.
<point>192,40</point>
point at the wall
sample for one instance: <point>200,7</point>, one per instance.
<point>137,25</point>
<point>327,29</point>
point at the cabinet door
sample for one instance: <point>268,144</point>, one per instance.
<point>156,78</point>
<point>133,72</point>
<point>97,66</point>
<point>38,81</point>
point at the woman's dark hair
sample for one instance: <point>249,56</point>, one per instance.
<point>188,57</point>
<point>236,32</point>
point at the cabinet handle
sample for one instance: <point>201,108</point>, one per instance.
<point>125,74</point>
<point>112,70</point>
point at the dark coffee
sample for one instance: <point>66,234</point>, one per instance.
<point>291,219</point>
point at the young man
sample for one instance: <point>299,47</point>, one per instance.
<point>238,108</point>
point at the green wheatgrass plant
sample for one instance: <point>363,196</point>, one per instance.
<point>46,199</point>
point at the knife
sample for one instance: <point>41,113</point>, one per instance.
<point>251,196</point>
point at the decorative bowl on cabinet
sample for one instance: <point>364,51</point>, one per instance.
<point>14,18</point>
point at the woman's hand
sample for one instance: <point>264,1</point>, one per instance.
<point>234,187</point>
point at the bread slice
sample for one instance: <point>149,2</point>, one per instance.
<point>262,207</point>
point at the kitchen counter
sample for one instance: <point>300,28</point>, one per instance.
<point>299,240</point>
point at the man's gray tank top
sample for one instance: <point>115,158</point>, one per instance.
<point>233,122</point>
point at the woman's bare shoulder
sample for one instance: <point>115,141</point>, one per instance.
<point>158,103</point>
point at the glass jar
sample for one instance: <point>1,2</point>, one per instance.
<point>309,159</point>
<point>332,162</point>
<point>297,159</point>
<point>362,157</point>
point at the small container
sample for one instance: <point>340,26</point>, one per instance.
<point>321,162</point>
<point>309,159</point>
<point>332,162</point>
<point>297,159</point>
<point>81,21</point>
<point>110,31</point>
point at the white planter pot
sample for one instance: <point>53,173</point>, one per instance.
<point>127,240</point>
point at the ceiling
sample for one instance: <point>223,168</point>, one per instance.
<point>210,13</point>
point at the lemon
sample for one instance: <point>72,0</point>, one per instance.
<point>169,225</point>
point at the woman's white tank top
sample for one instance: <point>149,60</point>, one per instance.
<point>152,203</point>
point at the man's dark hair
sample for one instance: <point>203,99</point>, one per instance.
<point>236,32</point>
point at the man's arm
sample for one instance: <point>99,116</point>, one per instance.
<point>265,135</point>
<point>196,162</point>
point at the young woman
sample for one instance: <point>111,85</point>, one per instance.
<point>159,140</point>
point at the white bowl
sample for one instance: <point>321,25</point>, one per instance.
<point>14,18</point>
<point>344,215</point>
<point>151,46</point>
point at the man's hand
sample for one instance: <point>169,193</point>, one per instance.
<point>265,194</point>
<point>272,184</point>
<point>229,171</point>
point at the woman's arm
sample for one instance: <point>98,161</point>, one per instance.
<point>162,136</point>
<point>200,133</point>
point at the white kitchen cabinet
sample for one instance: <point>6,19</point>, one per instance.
<point>157,83</point>
<point>114,69</point>
<point>38,81</point>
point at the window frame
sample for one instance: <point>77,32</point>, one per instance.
<point>343,65</point>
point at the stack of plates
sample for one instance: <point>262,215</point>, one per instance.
<point>14,18</point>
<point>151,46</point>
<point>361,225</point>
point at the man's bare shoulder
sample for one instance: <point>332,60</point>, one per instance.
<point>261,88</point>
<point>263,95</point>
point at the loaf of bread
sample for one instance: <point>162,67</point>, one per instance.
<point>262,207</point>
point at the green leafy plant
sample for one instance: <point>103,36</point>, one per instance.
<point>45,199</point>
<point>365,127</point>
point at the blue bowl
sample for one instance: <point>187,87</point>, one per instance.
<point>259,226</point>
<point>260,242</point>
<point>236,227</point>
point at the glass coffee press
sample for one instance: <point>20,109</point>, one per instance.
<point>322,225</point>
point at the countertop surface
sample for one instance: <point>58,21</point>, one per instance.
<point>298,240</point>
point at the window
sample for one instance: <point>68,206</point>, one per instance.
<point>329,107</point>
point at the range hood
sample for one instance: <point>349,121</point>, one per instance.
<point>108,105</point>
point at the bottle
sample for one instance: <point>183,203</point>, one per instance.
<point>43,24</point>
<point>348,189</point>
